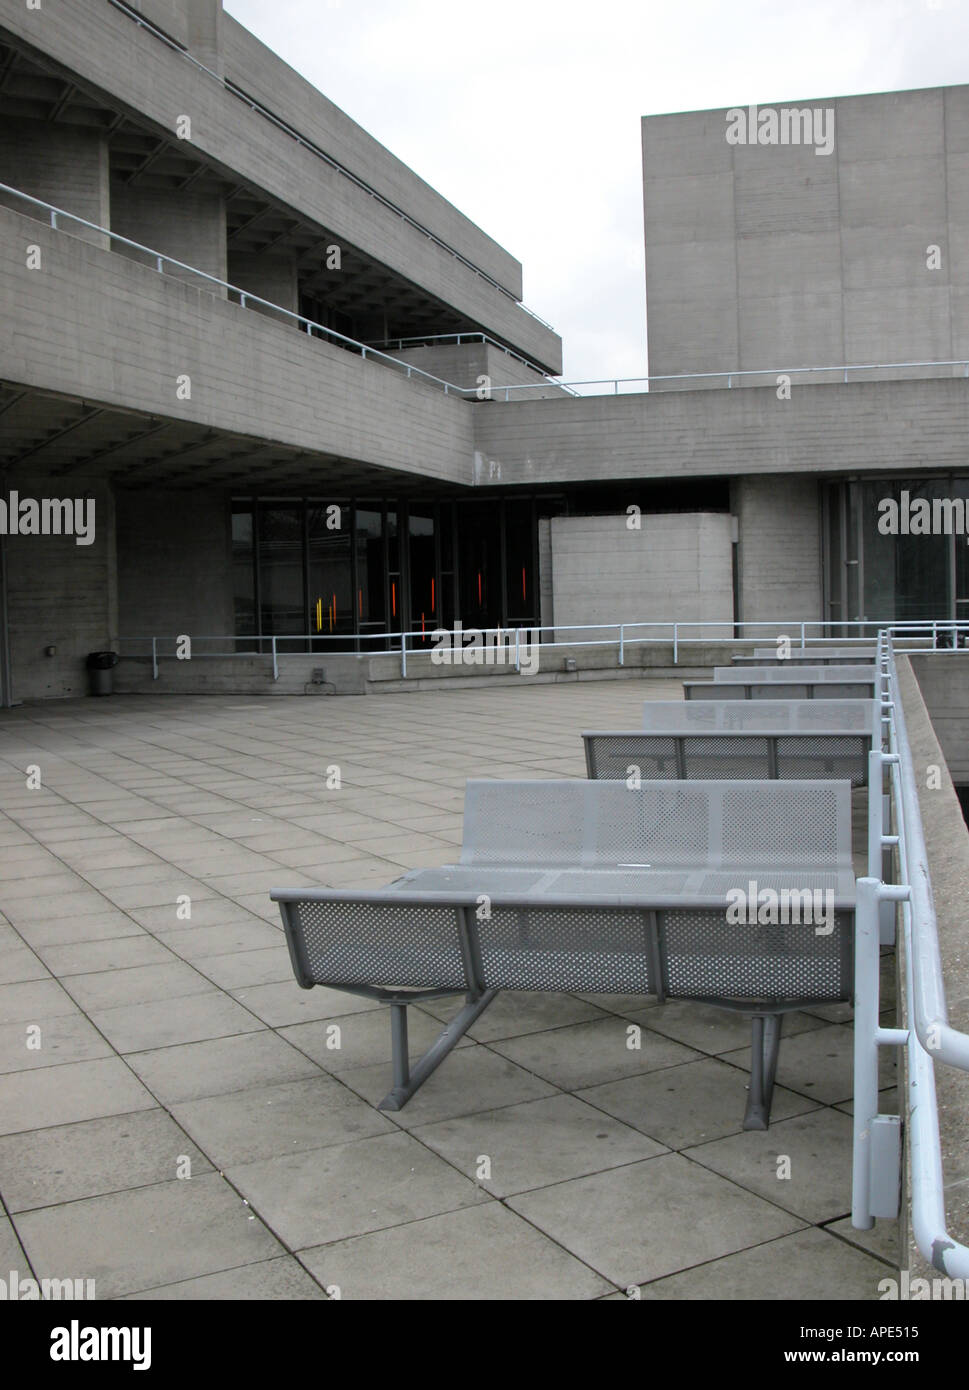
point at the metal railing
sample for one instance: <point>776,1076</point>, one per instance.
<point>459,339</point>
<point>315,149</point>
<point>929,1036</point>
<point>938,635</point>
<point>160,260</point>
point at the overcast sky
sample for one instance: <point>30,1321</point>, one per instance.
<point>526,115</point>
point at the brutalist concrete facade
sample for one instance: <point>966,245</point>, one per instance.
<point>203,424</point>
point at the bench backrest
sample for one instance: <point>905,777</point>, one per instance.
<point>659,824</point>
<point>695,756</point>
<point>782,673</point>
<point>863,655</point>
<point>760,716</point>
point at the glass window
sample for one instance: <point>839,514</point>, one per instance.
<point>330,582</point>
<point>243,571</point>
<point>281,593</point>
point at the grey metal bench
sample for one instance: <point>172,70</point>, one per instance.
<point>776,682</point>
<point>841,657</point>
<point>822,656</point>
<point>774,716</point>
<point>687,747</point>
<point>590,886</point>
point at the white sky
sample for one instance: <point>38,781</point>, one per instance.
<point>526,113</point>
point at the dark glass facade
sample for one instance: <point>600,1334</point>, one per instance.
<point>336,571</point>
<point>879,571</point>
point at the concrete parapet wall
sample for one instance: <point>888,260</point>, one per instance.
<point>947,842</point>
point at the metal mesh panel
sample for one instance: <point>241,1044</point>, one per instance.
<point>407,946</point>
<point>713,690</point>
<point>770,690</point>
<point>800,828</point>
<point>612,755</point>
<point>657,825</point>
<point>766,716</point>
<point>705,956</point>
<point>736,755</point>
<point>566,949</point>
<point>823,755</point>
<point>537,822</point>
<point>832,690</point>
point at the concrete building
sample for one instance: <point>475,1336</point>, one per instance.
<point>305,399</point>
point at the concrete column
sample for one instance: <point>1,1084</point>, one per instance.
<point>270,277</point>
<point>63,166</point>
<point>60,595</point>
<point>188,226</point>
<point>780,547</point>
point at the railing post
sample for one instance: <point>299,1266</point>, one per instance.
<point>676,644</point>
<point>275,661</point>
<point>802,637</point>
<point>518,660</point>
<point>403,654</point>
<point>622,644</point>
<point>865,1049</point>
<point>154,658</point>
<point>53,219</point>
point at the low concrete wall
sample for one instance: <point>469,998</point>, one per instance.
<point>349,674</point>
<point>947,841</point>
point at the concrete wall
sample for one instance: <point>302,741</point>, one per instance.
<point>188,226</point>
<point>125,334</point>
<point>464,364</point>
<point>65,167</point>
<point>778,256</point>
<point>676,566</point>
<point>107,50</point>
<point>270,277</point>
<point>883,427</point>
<point>944,682</point>
<point>947,845</point>
<point>779,548</point>
<point>59,594</point>
<point>196,24</point>
<point>174,564</point>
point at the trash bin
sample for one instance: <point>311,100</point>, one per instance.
<point>100,665</point>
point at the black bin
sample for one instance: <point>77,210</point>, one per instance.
<point>100,666</point>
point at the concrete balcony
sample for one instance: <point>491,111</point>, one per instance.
<point>94,324</point>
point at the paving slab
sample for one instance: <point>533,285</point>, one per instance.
<point>43,1168</point>
<point>283,1280</point>
<point>273,1121</point>
<point>640,1222</point>
<point>442,1258</point>
<point>689,1104</point>
<point>219,1065</point>
<point>535,1144</point>
<point>185,1228</point>
<point>808,1265</point>
<point>346,1189</point>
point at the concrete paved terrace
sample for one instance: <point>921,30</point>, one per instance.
<point>175,1121</point>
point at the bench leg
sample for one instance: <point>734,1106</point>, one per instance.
<point>765,1044</point>
<point>406,1082</point>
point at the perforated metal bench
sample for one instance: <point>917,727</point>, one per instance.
<point>776,682</point>
<point>707,739</point>
<point>590,886</point>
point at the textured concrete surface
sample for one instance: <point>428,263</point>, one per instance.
<point>947,844</point>
<point>140,1045</point>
